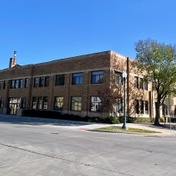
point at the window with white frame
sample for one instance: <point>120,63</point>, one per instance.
<point>58,103</point>
<point>96,104</point>
<point>118,78</point>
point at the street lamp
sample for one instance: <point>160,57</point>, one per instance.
<point>124,75</point>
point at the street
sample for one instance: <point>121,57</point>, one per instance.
<point>42,147</point>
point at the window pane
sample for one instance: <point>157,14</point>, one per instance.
<point>39,104</point>
<point>41,81</point>
<point>96,104</point>
<point>58,103</point>
<point>36,82</point>
<point>59,80</point>
<point>26,83</point>
<point>76,103</point>
<point>46,81</point>
<point>45,103</point>
<point>34,103</point>
<point>77,78</point>
<point>97,77</point>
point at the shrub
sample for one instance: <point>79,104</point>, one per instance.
<point>111,120</point>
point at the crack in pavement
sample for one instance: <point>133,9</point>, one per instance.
<point>63,159</point>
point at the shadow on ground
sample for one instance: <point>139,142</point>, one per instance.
<point>39,121</point>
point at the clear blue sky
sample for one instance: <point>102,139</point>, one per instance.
<point>44,30</point>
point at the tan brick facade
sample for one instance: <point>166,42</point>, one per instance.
<point>107,62</point>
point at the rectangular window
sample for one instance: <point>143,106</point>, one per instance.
<point>16,84</point>
<point>45,103</point>
<point>41,81</point>
<point>12,84</point>
<point>20,83</point>
<point>26,82</point>
<point>34,103</point>
<point>46,81</point>
<point>77,78</point>
<point>136,82</point>
<point>146,107</point>
<point>76,103</point>
<point>1,103</point>
<point>0,85</point>
<point>145,85</point>
<point>59,80</point>
<point>142,107</point>
<point>4,84</point>
<point>141,83</point>
<point>96,104</point>
<point>58,103</point>
<point>97,77</point>
<point>39,103</point>
<point>118,78</point>
<point>136,106</point>
<point>36,82</point>
<point>119,105</point>
<point>23,103</point>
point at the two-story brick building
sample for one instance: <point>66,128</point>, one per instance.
<point>72,85</point>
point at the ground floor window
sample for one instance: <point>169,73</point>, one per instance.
<point>96,104</point>
<point>40,103</point>
<point>119,105</point>
<point>13,105</point>
<point>1,103</point>
<point>141,107</point>
<point>23,103</point>
<point>76,103</point>
<point>58,103</point>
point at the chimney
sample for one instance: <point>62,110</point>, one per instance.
<point>13,60</point>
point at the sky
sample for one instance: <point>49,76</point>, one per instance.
<point>45,30</point>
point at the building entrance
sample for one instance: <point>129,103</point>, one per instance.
<point>13,104</point>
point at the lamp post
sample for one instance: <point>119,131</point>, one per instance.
<point>124,75</point>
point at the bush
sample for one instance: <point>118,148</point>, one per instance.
<point>111,120</point>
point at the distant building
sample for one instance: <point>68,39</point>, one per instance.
<point>73,86</point>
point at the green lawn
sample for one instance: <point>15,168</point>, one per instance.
<point>129,130</point>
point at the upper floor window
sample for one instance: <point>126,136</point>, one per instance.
<point>118,78</point>
<point>26,82</point>
<point>0,85</point>
<point>145,85</point>
<point>20,83</point>
<point>77,78</point>
<point>4,84</point>
<point>136,82</point>
<point>41,81</point>
<point>97,77</point>
<point>36,82</point>
<point>46,81</point>
<point>59,80</point>
<point>12,84</point>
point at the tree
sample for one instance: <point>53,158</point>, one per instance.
<point>157,62</point>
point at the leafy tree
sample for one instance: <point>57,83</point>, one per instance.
<point>157,61</point>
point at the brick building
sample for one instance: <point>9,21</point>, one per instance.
<point>73,85</point>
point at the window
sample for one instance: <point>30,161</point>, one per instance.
<point>26,82</point>
<point>16,84</point>
<point>136,106</point>
<point>36,82</point>
<point>41,81</point>
<point>145,85</point>
<point>141,83</point>
<point>46,81</point>
<point>58,103</point>
<point>45,103</point>
<point>77,78</point>
<point>119,105</point>
<point>136,82</point>
<point>59,80</point>
<point>97,77</point>
<point>1,103</point>
<point>146,107</point>
<point>142,107</point>
<point>23,103</point>
<point>20,83</point>
<point>76,103</point>
<point>34,103</point>
<point>118,78</point>
<point>96,104</point>
<point>12,84</point>
<point>39,103</point>
<point>5,85</point>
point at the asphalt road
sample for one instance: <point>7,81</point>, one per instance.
<point>35,147</point>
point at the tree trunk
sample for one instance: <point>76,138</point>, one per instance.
<point>157,117</point>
